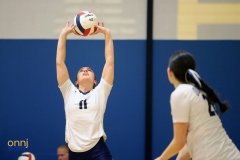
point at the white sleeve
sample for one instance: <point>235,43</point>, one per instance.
<point>66,90</point>
<point>104,87</point>
<point>180,107</point>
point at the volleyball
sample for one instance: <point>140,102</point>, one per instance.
<point>27,156</point>
<point>85,22</point>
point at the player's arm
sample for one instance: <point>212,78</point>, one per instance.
<point>62,72</point>
<point>108,70</point>
<point>183,154</point>
<point>177,143</point>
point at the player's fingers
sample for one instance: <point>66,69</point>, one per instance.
<point>73,26</point>
<point>76,34</point>
<point>73,30</point>
<point>96,32</point>
<point>102,24</point>
<point>67,24</point>
<point>97,27</point>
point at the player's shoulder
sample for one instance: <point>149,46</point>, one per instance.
<point>184,90</point>
<point>103,84</point>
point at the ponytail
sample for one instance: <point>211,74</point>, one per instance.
<point>192,77</point>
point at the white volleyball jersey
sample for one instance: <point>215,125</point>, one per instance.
<point>206,138</point>
<point>84,115</point>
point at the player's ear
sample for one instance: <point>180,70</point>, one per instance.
<point>169,72</point>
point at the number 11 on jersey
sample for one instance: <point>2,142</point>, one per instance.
<point>83,103</point>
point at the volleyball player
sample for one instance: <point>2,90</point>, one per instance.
<point>195,120</point>
<point>62,152</point>
<point>84,103</point>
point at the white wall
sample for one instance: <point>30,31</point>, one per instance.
<point>34,19</point>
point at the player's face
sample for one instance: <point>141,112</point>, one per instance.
<point>62,154</point>
<point>86,73</point>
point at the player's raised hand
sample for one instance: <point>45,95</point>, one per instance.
<point>101,29</point>
<point>68,29</point>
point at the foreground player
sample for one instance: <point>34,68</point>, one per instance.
<point>85,104</point>
<point>195,120</point>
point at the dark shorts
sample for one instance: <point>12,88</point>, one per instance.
<point>99,152</point>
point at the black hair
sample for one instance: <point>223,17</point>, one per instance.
<point>179,63</point>
<point>64,146</point>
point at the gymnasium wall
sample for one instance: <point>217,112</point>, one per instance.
<point>45,19</point>
<point>197,19</point>
<point>175,19</point>
<point>31,105</point>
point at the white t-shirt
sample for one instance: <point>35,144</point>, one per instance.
<point>206,138</point>
<point>84,115</point>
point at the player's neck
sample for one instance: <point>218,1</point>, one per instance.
<point>85,88</point>
<point>176,83</point>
